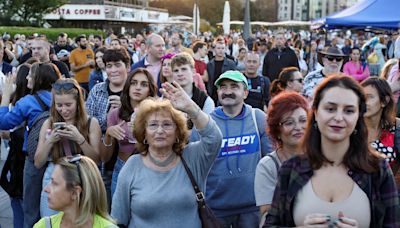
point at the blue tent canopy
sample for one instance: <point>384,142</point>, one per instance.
<point>376,14</point>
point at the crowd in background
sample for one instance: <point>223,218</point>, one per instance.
<point>105,130</point>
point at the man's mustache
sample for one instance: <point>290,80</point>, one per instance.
<point>233,96</point>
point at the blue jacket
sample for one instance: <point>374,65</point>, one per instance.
<point>96,76</point>
<point>26,109</point>
<point>230,183</point>
<point>7,68</point>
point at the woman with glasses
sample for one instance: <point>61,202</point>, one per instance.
<point>68,131</point>
<point>77,191</point>
<point>40,78</point>
<point>138,86</point>
<point>339,181</point>
<point>355,67</point>
<point>99,73</point>
<point>290,79</point>
<point>153,188</point>
<point>287,118</point>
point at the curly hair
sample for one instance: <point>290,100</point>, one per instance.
<point>150,106</point>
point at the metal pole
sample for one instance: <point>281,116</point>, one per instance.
<point>246,26</point>
<point>197,7</point>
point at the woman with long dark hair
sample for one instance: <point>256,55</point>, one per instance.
<point>138,86</point>
<point>339,181</point>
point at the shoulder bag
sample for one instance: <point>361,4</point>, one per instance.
<point>207,217</point>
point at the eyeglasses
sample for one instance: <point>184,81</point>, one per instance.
<point>64,85</point>
<point>76,160</point>
<point>165,126</point>
<point>331,58</point>
<point>297,79</point>
<point>291,123</point>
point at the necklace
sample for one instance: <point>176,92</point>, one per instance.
<point>164,163</point>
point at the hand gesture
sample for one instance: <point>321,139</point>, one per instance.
<point>178,97</point>
<point>114,101</point>
<point>71,132</point>
<point>8,85</point>
<point>317,220</point>
<point>345,222</point>
<point>91,63</point>
<point>116,131</point>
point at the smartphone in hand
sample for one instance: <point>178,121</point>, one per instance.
<point>59,125</point>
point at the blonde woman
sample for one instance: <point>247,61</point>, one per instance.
<point>77,191</point>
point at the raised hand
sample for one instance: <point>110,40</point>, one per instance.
<point>178,97</point>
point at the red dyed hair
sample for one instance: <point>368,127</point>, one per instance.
<point>281,104</point>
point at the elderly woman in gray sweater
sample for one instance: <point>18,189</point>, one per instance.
<point>153,187</point>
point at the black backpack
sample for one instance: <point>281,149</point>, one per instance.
<point>34,131</point>
<point>11,179</point>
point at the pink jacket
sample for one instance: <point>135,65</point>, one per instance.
<point>393,78</point>
<point>356,72</point>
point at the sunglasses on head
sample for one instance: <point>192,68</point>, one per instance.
<point>76,160</point>
<point>331,58</point>
<point>65,86</point>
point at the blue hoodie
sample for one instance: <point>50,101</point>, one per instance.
<point>230,183</point>
<point>26,109</point>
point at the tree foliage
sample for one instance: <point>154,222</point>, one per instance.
<point>28,11</point>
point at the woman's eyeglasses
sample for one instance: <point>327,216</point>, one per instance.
<point>76,160</point>
<point>165,126</point>
<point>65,86</point>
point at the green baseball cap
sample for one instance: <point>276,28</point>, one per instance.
<point>233,75</point>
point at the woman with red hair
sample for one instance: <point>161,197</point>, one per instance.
<point>287,118</point>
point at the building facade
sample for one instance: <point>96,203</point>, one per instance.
<point>118,15</point>
<point>304,10</point>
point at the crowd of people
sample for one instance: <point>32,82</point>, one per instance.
<point>277,130</point>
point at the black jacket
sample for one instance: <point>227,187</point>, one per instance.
<point>276,60</point>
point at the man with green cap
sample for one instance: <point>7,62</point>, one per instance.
<point>230,183</point>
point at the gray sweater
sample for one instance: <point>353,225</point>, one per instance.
<point>148,198</point>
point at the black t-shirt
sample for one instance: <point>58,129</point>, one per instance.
<point>258,92</point>
<point>62,67</point>
<point>218,69</point>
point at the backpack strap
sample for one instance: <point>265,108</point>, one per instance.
<point>275,162</point>
<point>262,84</point>
<point>47,221</point>
<point>41,103</point>
<point>253,115</point>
